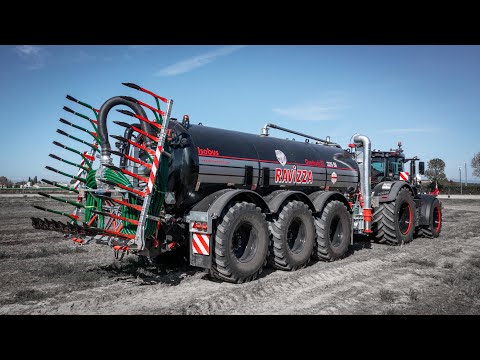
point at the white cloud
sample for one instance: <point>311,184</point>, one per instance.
<point>322,110</point>
<point>197,61</point>
<point>35,56</point>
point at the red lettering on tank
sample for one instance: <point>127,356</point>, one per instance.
<point>299,176</point>
<point>293,176</point>
<point>287,176</point>
<point>278,175</point>
<point>316,163</point>
<point>207,152</point>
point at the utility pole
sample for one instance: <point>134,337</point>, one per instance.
<point>465,174</point>
<point>460,172</point>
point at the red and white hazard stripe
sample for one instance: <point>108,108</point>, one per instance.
<point>201,244</point>
<point>404,175</point>
<point>153,173</point>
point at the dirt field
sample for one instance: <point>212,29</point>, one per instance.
<point>43,273</point>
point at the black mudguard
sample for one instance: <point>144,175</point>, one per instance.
<point>389,194</point>
<point>426,203</point>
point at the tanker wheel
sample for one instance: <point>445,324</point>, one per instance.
<point>292,237</point>
<point>393,222</point>
<point>334,230</point>
<point>435,226</point>
<point>241,244</point>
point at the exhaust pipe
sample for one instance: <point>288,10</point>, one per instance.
<point>366,145</point>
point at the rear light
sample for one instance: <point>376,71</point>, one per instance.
<point>200,226</point>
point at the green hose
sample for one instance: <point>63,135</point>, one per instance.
<point>156,203</point>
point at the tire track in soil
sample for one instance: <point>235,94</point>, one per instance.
<point>289,291</point>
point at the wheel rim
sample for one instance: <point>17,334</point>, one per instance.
<point>244,241</point>
<point>405,218</point>
<point>437,218</point>
<point>296,235</point>
<point>336,231</point>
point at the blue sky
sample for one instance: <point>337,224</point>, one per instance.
<point>428,97</point>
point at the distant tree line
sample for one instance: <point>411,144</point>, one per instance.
<point>436,174</point>
<point>7,183</point>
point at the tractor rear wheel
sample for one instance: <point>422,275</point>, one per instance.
<point>334,229</point>
<point>292,237</point>
<point>393,222</point>
<point>241,244</point>
<point>435,226</point>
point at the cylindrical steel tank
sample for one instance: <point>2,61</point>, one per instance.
<point>207,159</point>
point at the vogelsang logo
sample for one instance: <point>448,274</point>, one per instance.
<point>207,152</point>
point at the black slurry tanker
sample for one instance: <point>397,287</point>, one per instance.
<point>235,201</point>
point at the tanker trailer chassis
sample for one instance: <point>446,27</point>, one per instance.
<point>235,201</point>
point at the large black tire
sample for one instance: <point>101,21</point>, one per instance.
<point>394,222</point>
<point>435,227</point>
<point>292,237</point>
<point>334,229</point>
<point>241,244</point>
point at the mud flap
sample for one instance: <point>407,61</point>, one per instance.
<point>201,239</point>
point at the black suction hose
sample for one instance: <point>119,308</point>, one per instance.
<point>102,122</point>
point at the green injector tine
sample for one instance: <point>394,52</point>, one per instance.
<point>55,212</point>
<point>71,202</point>
<point>68,162</point>
<point>61,132</point>
<point>91,133</point>
<point>54,183</point>
<point>95,111</point>
<point>87,161</point>
<point>65,174</point>
<point>92,122</point>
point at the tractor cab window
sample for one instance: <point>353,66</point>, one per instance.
<point>378,167</point>
<point>395,166</point>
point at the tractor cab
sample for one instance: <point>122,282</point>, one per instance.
<point>387,165</point>
<point>391,166</point>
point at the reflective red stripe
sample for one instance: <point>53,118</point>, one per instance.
<point>197,249</point>
<point>156,161</point>
<point>275,162</point>
<point>200,237</point>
